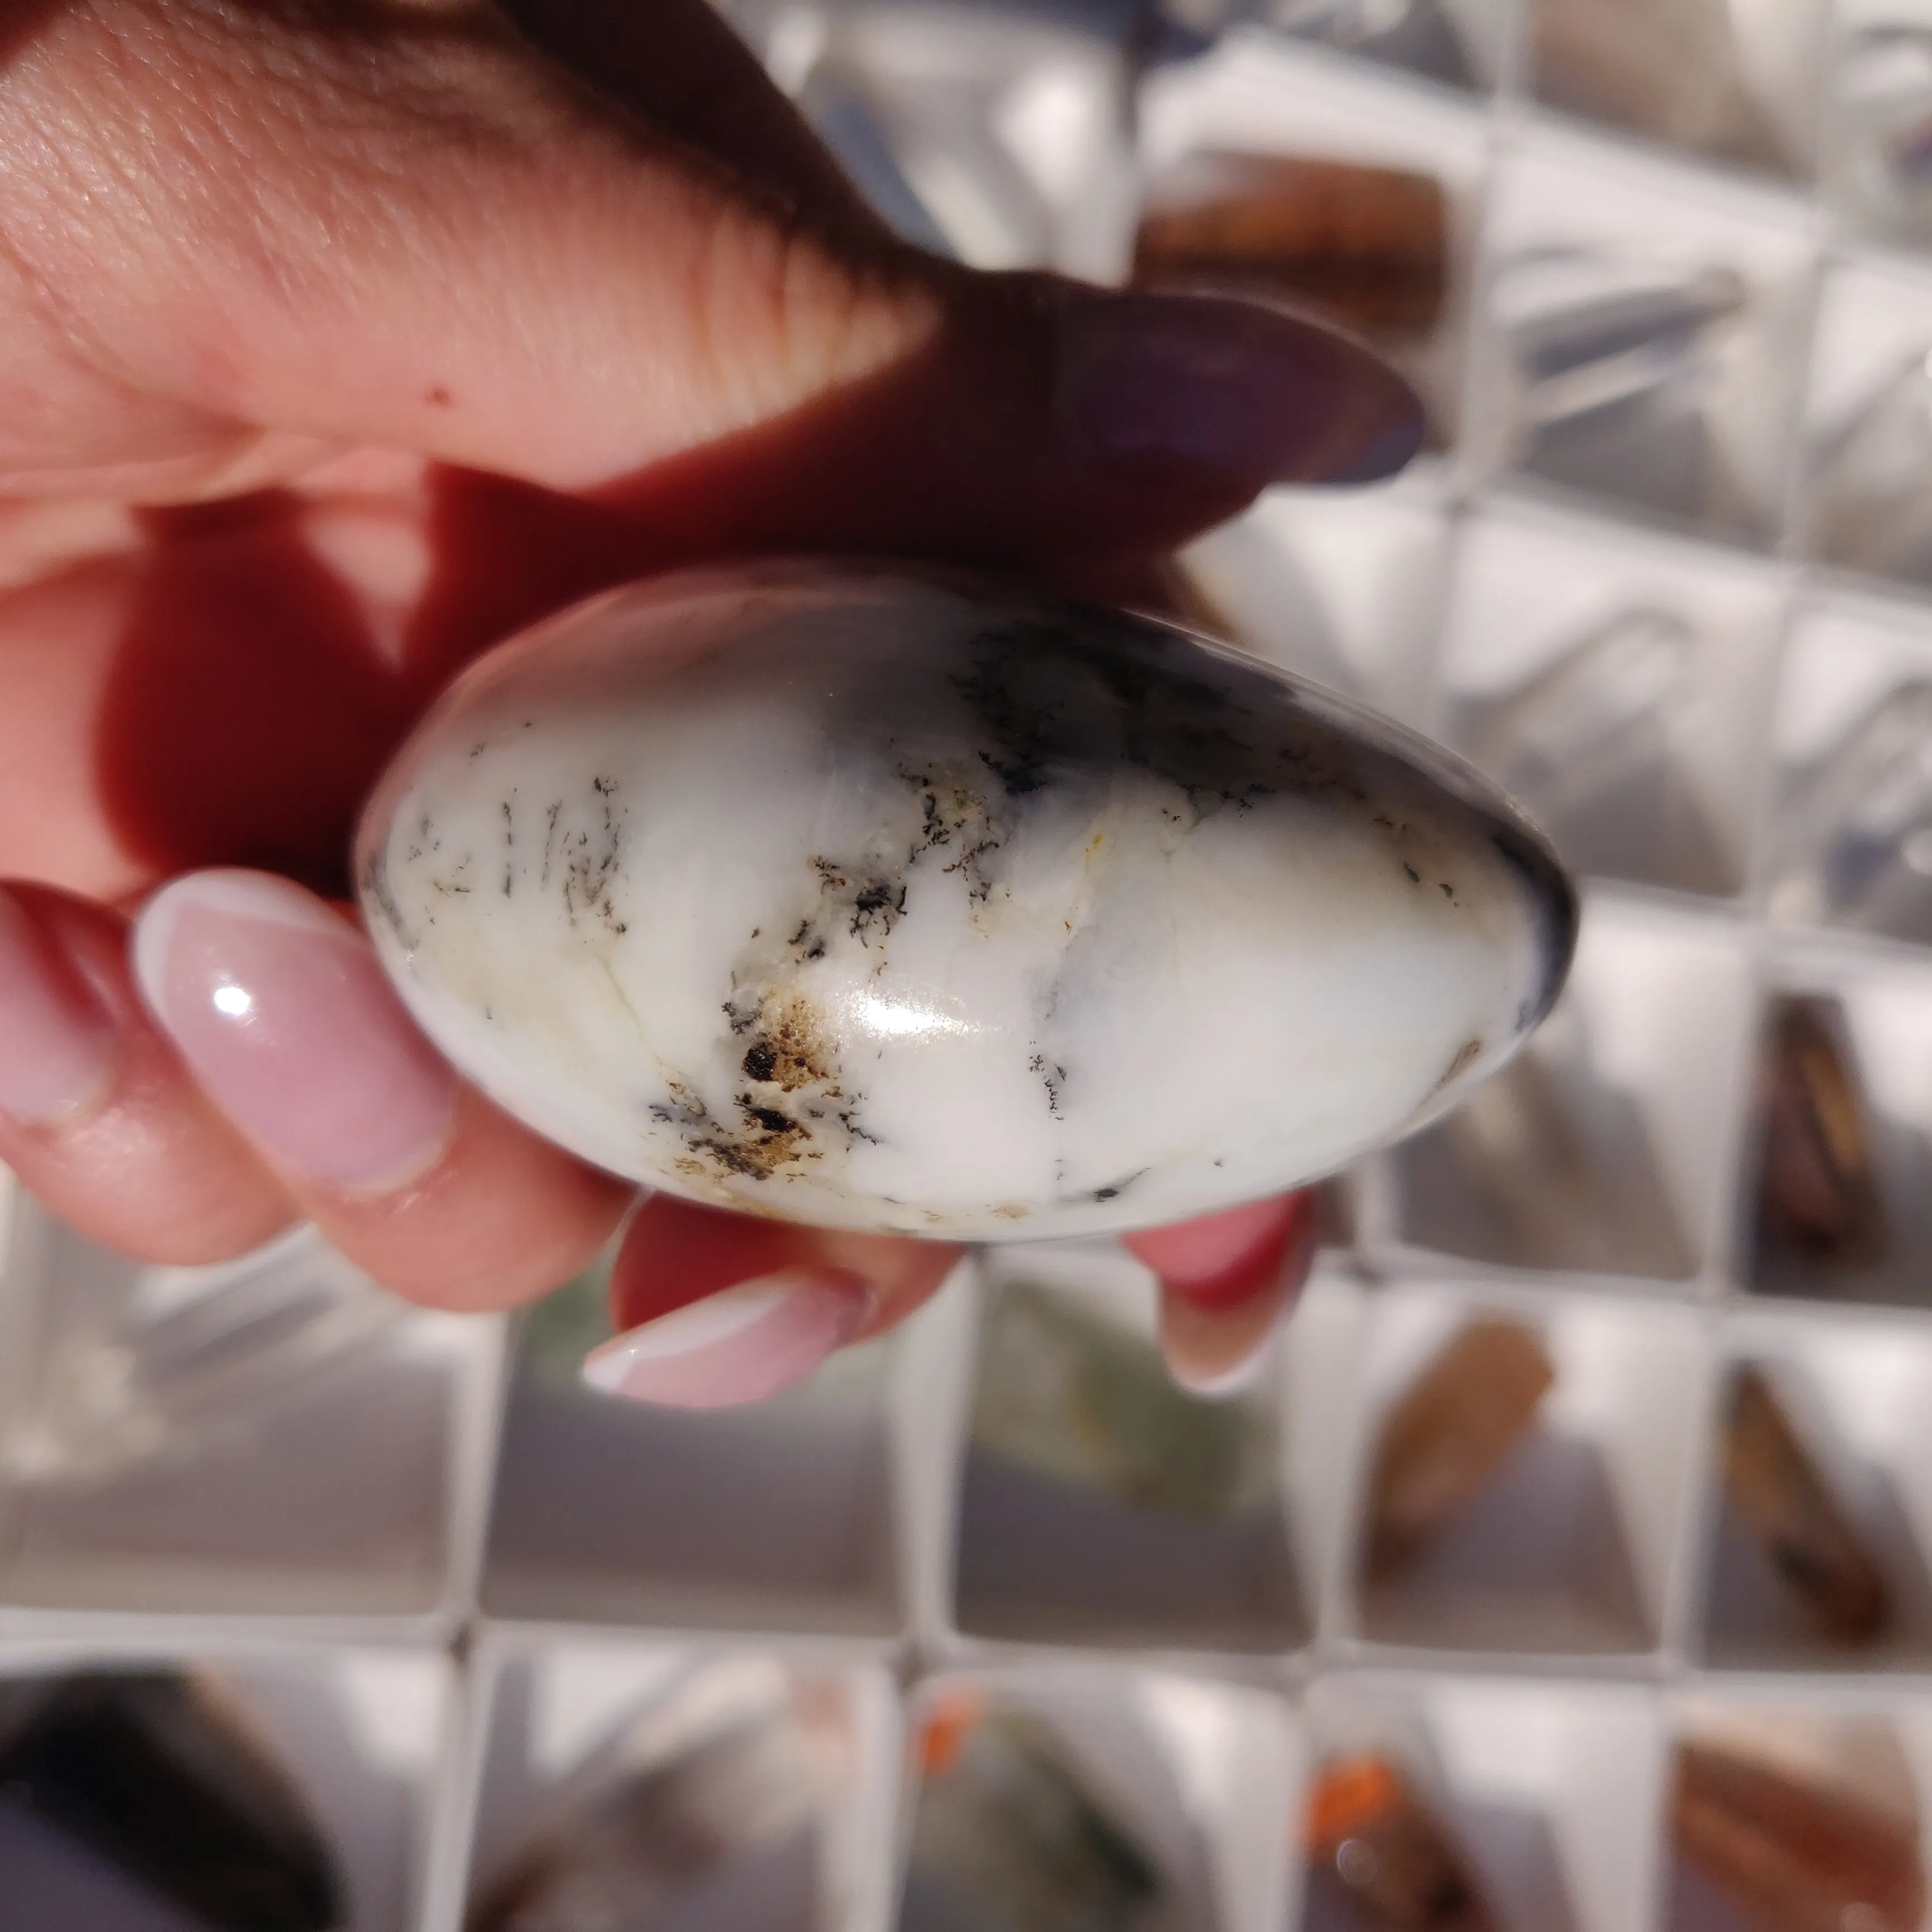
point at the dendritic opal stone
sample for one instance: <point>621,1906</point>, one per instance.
<point>885,899</point>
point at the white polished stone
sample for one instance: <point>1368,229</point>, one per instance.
<point>889,900</point>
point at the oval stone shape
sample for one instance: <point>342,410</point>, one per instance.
<point>888,899</point>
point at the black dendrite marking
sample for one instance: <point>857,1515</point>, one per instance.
<point>956,816</point>
<point>683,1109</point>
<point>456,883</point>
<point>551,817</point>
<point>868,902</point>
<point>1052,1077</point>
<point>979,883</point>
<point>378,889</point>
<point>593,860</point>
<point>1050,695</point>
<point>876,908</point>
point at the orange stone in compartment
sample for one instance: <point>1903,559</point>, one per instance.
<point>1447,1435</point>
<point>1796,1853</point>
<point>1366,1831</point>
<point>1775,1486</point>
<point>1818,1198</point>
<point>1369,245</point>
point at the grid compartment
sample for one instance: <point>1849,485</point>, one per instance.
<point>1853,789</point>
<point>240,1477</point>
<point>1618,686</point>
<point>1639,335</point>
<point>1880,87</point>
<point>1571,1544</point>
<point>1857,1398</point>
<point>1605,1149</point>
<point>1343,589</point>
<point>1194,1776</point>
<point>809,1745</point>
<point>1097,1503</point>
<point>1887,1050</point>
<point>364,1733</point>
<point>1548,1791</point>
<point>779,1517</point>
<point>1866,501</point>
<point>1739,84</point>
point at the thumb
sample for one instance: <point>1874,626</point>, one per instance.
<point>403,225</point>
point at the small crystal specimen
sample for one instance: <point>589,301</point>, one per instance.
<point>1448,1434</point>
<point>1776,1488</point>
<point>1548,1167</point>
<point>720,1804</point>
<point>1066,1391</point>
<point>1871,506</point>
<point>1857,825</point>
<point>1884,134</point>
<point>1595,709</point>
<point>154,1775</point>
<point>1369,245</point>
<point>1587,740</point>
<point>1669,69</point>
<point>915,902</point>
<point>1594,332</point>
<point>1416,34</point>
<point>191,1355</point>
<point>1796,1853</point>
<point>1818,1200</point>
<point>1613,357</point>
<point>1368,1832</point>
<point>1007,1834</point>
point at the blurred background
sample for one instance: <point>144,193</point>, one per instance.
<point>1568,1571</point>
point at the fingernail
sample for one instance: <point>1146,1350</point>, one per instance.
<point>281,1011</point>
<point>1230,385</point>
<point>1217,1356</point>
<point>58,1050</point>
<point>1393,451</point>
<point>1224,1259</point>
<point>739,1345</point>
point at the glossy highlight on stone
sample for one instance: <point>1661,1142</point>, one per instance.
<point>879,898</point>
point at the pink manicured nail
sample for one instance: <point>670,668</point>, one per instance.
<point>57,1046</point>
<point>282,1013</point>
<point>737,1346</point>
<point>1227,1281</point>
<point>1223,1259</point>
<point>1219,1355</point>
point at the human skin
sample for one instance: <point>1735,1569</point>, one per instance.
<point>341,338</point>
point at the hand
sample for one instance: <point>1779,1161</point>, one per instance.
<point>340,338</point>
